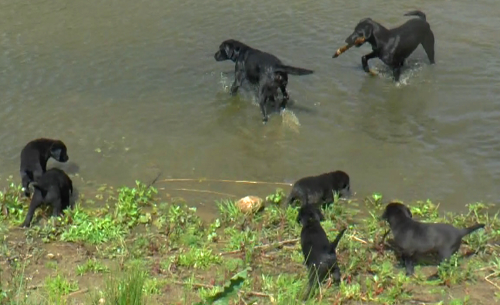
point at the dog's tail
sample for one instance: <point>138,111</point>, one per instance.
<point>337,239</point>
<point>38,187</point>
<point>471,229</point>
<point>292,70</point>
<point>417,13</point>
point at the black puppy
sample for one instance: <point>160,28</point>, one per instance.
<point>414,238</point>
<point>34,157</point>
<point>393,46</point>
<point>258,68</point>
<point>319,189</point>
<point>54,187</point>
<point>319,254</point>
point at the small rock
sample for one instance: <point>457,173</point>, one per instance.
<point>50,256</point>
<point>250,204</point>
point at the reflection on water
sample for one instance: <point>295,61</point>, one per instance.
<point>132,88</point>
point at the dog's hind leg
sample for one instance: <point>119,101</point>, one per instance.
<point>313,280</point>
<point>428,45</point>
<point>409,264</point>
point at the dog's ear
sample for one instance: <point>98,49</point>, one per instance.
<point>58,151</point>
<point>407,212</point>
<point>302,217</point>
<point>236,52</point>
<point>367,30</point>
<point>318,215</point>
<point>229,49</point>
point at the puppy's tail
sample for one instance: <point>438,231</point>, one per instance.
<point>471,229</point>
<point>38,187</point>
<point>417,13</point>
<point>337,239</point>
<point>292,70</point>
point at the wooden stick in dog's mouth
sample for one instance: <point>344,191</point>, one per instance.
<point>341,50</point>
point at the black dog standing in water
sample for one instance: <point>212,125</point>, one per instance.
<point>413,238</point>
<point>319,189</point>
<point>319,254</point>
<point>393,46</point>
<point>34,157</point>
<point>54,187</point>
<point>260,68</point>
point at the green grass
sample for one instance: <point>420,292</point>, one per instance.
<point>128,247</point>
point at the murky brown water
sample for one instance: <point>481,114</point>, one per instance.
<point>136,80</point>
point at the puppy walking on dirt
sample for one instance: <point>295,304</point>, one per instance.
<point>413,238</point>
<point>258,68</point>
<point>392,46</point>
<point>319,254</point>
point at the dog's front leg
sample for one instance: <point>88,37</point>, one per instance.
<point>365,59</point>
<point>238,80</point>
<point>262,104</point>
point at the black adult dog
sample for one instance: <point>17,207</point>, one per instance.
<point>54,187</point>
<point>413,238</point>
<point>34,157</point>
<point>319,254</point>
<point>260,68</point>
<point>319,189</point>
<point>393,46</point>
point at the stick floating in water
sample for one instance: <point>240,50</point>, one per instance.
<point>341,50</point>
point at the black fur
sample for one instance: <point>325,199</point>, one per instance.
<point>319,189</point>
<point>393,46</point>
<point>258,68</point>
<point>413,238</point>
<point>319,253</point>
<point>55,188</point>
<point>34,157</point>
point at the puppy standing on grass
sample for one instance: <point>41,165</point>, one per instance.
<point>414,238</point>
<point>34,157</point>
<point>319,254</point>
<point>392,46</point>
<point>319,189</point>
<point>54,187</point>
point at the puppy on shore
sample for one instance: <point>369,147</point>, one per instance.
<point>319,189</point>
<point>319,254</point>
<point>55,188</point>
<point>34,157</point>
<point>413,238</point>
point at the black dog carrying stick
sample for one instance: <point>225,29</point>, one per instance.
<point>341,50</point>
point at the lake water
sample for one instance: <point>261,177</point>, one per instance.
<point>133,89</point>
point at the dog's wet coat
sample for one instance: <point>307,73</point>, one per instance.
<point>393,46</point>
<point>258,68</point>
